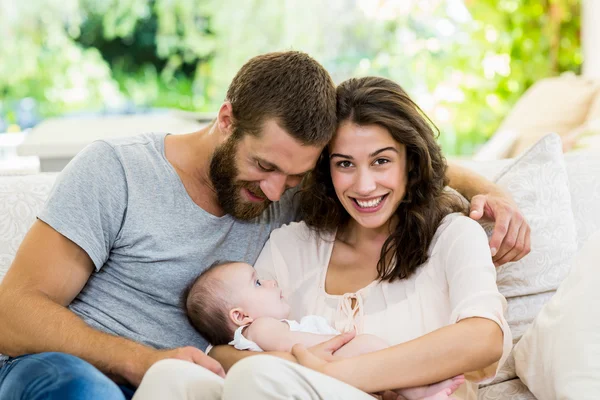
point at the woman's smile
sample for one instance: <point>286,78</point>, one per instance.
<point>370,205</point>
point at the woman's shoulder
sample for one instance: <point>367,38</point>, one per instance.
<point>291,230</point>
<point>297,253</point>
<point>298,231</point>
<point>455,226</point>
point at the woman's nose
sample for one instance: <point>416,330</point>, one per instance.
<point>365,183</point>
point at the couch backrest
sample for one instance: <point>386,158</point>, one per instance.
<point>583,168</point>
<point>21,198</point>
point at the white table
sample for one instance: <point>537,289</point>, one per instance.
<point>10,162</point>
<point>56,141</point>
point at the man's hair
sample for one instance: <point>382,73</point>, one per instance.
<point>207,306</point>
<point>290,87</point>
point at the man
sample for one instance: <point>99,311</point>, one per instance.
<point>94,290</point>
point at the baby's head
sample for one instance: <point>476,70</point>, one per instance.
<point>228,295</point>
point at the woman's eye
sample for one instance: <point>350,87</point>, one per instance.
<point>381,161</point>
<point>344,164</point>
<point>257,283</point>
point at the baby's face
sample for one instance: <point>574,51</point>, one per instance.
<point>257,297</point>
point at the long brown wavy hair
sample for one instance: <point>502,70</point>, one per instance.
<point>379,101</point>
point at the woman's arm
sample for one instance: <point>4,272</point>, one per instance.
<point>470,344</point>
<point>476,338</point>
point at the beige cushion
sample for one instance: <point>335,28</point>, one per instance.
<point>594,111</point>
<point>551,105</point>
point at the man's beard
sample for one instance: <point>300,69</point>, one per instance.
<point>223,175</point>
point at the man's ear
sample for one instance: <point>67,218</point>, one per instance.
<point>225,118</point>
<point>239,317</point>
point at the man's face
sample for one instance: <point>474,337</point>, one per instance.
<point>250,172</point>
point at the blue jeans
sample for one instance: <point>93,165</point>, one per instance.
<point>51,376</point>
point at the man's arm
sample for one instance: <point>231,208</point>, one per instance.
<point>48,272</point>
<point>470,183</point>
<point>510,240</point>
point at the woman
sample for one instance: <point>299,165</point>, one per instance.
<point>380,250</point>
<point>383,250</point>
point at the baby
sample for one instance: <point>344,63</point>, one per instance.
<point>229,304</point>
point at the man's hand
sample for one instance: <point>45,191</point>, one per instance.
<point>188,353</point>
<point>511,237</point>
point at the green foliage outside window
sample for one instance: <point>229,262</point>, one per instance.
<point>465,62</point>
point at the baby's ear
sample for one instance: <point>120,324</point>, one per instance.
<point>239,317</point>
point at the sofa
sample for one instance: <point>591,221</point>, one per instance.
<point>559,195</point>
<point>573,179</point>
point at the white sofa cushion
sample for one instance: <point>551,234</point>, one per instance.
<point>583,168</point>
<point>559,355</point>
<point>21,198</point>
<point>513,389</point>
<point>584,181</point>
<point>538,182</point>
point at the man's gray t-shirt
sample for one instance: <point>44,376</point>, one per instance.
<point>124,204</point>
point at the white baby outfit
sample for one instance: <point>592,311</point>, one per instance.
<point>308,324</point>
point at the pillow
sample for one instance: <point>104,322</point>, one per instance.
<point>513,389</point>
<point>538,182</point>
<point>583,169</point>
<point>594,111</point>
<point>557,104</point>
<point>559,355</point>
<point>584,180</point>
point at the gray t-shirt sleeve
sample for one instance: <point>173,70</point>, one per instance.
<point>290,206</point>
<point>88,201</point>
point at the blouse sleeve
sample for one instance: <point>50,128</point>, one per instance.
<point>289,256</point>
<point>471,278</point>
<point>265,265</point>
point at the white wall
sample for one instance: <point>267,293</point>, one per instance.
<point>591,38</point>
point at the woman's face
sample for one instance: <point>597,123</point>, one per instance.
<point>368,170</point>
